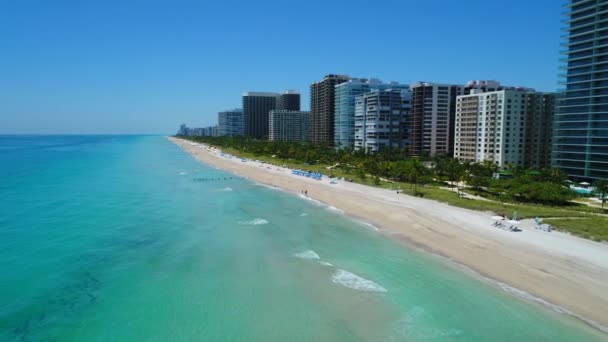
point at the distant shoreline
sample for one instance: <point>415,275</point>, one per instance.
<point>557,270</point>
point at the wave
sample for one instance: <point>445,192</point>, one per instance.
<point>255,222</point>
<point>303,214</point>
<point>328,207</point>
<point>325,263</point>
<point>183,173</point>
<point>332,208</point>
<point>227,189</point>
<point>371,226</point>
<point>408,326</point>
<point>272,187</point>
<point>355,282</point>
<point>312,200</point>
<point>308,254</point>
<point>529,297</point>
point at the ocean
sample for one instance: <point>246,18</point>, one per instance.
<point>129,238</point>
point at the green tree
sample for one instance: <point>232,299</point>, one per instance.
<point>415,170</point>
<point>601,189</point>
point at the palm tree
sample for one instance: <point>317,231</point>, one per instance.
<point>414,170</point>
<point>601,188</point>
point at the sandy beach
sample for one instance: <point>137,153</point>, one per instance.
<point>564,272</point>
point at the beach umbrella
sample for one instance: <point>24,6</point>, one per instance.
<point>497,217</point>
<point>513,222</point>
<point>584,183</point>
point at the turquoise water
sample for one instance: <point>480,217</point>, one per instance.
<point>106,238</point>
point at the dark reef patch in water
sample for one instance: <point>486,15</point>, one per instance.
<point>69,300</point>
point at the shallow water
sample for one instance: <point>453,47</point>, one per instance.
<point>117,238</point>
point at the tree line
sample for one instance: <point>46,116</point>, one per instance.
<point>515,184</point>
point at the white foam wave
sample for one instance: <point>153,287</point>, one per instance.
<point>308,254</point>
<point>255,222</point>
<point>332,208</point>
<point>325,263</point>
<point>183,173</point>
<point>408,326</point>
<point>369,225</point>
<point>355,282</point>
<point>272,187</point>
<point>303,214</point>
<point>227,189</point>
<point>310,199</point>
<point>527,296</point>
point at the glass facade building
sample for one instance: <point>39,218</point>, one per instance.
<point>580,132</point>
<point>230,122</point>
<point>344,119</point>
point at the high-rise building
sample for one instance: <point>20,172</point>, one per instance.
<point>256,107</point>
<point>288,125</point>
<point>230,122</point>
<point>580,135</point>
<point>289,100</point>
<point>432,118</point>
<point>504,127</point>
<point>540,114</point>
<point>210,131</point>
<point>183,130</point>
<point>483,86</point>
<point>322,109</point>
<point>380,118</point>
<point>344,113</point>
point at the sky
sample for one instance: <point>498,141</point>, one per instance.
<point>144,67</point>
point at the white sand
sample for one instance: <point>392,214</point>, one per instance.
<point>564,270</point>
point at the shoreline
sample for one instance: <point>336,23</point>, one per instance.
<point>559,271</point>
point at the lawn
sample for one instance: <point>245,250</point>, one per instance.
<point>594,228</point>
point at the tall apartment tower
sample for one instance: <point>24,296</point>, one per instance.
<point>322,109</point>
<point>344,113</point>
<point>432,118</point>
<point>580,135</point>
<point>483,86</point>
<point>289,100</point>
<point>256,107</point>
<point>540,114</point>
<point>288,125</point>
<point>505,127</point>
<point>230,122</point>
<point>380,118</point>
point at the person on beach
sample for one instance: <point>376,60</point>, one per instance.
<point>305,192</point>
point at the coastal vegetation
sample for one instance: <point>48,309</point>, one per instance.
<point>517,191</point>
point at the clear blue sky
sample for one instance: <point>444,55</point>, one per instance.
<point>147,66</point>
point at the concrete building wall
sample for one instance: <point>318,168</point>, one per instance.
<point>322,109</point>
<point>256,106</point>
<point>432,118</point>
<point>505,127</point>
<point>288,125</point>
<point>289,100</point>
<point>380,116</point>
